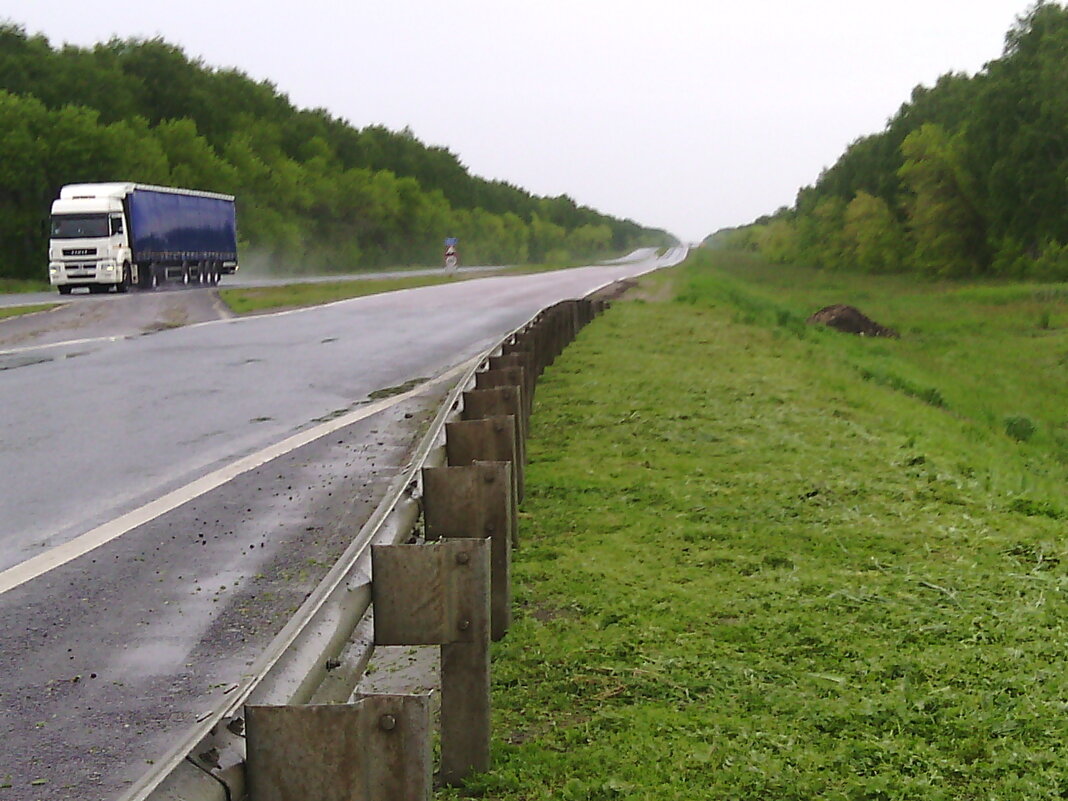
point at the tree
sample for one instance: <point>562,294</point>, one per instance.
<point>777,240</point>
<point>950,233</point>
<point>1018,136</point>
<point>194,163</point>
<point>874,239</point>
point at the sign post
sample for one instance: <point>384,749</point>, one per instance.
<point>452,257</point>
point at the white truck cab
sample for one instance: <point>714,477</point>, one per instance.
<point>88,244</point>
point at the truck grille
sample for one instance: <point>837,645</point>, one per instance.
<point>79,251</point>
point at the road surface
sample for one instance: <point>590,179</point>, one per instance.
<point>249,279</point>
<point>108,656</point>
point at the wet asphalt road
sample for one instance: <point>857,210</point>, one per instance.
<point>105,659</point>
<point>241,279</point>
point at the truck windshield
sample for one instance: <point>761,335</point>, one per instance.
<point>79,226</point>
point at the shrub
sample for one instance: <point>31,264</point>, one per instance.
<point>1020,428</point>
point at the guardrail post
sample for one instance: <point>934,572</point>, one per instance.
<point>594,307</point>
<point>536,334</point>
<point>471,502</point>
<point>500,402</point>
<point>563,320</point>
<point>559,330</point>
<point>507,377</point>
<point>522,360</point>
<point>489,440</point>
<point>547,338</point>
<point>573,317</point>
<point>539,339</point>
<point>585,308</point>
<point>439,595</point>
<point>376,749</point>
<point>518,343</point>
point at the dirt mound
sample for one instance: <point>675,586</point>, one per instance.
<point>850,320</point>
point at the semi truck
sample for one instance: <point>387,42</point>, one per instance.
<point>118,235</point>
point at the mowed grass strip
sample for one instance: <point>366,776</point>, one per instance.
<point>251,300</point>
<point>16,311</point>
<point>746,572</point>
<point>18,285</point>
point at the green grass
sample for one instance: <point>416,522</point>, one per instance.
<point>750,572</point>
<point>15,311</point>
<point>10,286</point>
<point>258,299</point>
<point>984,352</point>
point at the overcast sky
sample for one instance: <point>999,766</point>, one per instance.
<point>685,115</point>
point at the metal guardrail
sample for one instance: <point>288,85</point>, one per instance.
<point>320,654</point>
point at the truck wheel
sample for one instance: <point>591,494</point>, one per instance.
<point>124,284</point>
<point>65,289</point>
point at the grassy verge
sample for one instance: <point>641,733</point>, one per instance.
<point>993,354</point>
<point>15,311</point>
<point>749,572</point>
<point>257,299</point>
<point>9,286</point>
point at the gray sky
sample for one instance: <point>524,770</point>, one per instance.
<point>689,116</point>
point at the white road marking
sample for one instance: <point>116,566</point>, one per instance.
<point>103,534</point>
<point>29,348</point>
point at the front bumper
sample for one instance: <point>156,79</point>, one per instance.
<point>83,273</point>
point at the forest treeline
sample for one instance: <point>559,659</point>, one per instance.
<point>969,178</point>
<point>314,192</point>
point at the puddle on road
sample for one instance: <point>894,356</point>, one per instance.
<point>150,657</point>
<point>178,621</point>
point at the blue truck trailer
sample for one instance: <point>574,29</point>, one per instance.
<point>118,235</point>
